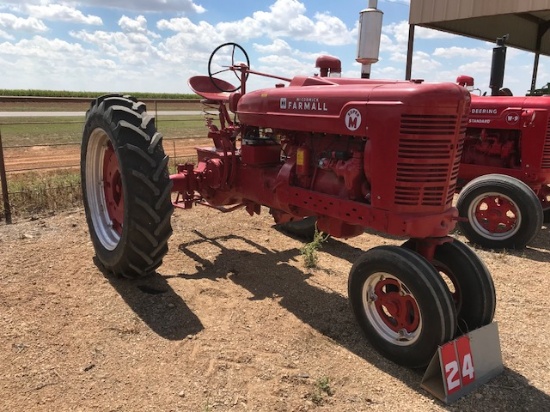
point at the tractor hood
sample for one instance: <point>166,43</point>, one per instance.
<point>342,106</point>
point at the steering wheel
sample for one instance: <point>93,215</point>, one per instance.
<point>238,74</point>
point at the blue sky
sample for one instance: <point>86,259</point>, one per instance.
<point>156,45</point>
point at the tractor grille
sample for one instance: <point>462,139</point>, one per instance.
<point>546,149</point>
<point>428,159</point>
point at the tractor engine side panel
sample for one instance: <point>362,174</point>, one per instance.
<point>413,133</point>
<point>508,135</point>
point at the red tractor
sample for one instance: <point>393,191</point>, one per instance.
<point>355,153</point>
<point>505,170</point>
<point>505,167</point>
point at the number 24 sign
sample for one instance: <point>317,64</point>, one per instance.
<point>463,364</point>
<point>457,364</point>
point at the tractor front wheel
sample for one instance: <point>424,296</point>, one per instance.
<point>401,304</point>
<point>469,282</point>
<point>502,212</point>
<point>126,186</point>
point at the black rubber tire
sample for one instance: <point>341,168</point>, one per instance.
<point>432,313</point>
<point>474,293</point>
<point>514,191</point>
<point>303,229</point>
<point>128,205</point>
<point>544,199</point>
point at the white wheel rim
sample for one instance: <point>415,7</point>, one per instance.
<point>479,226</point>
<point>95,155</point>
<point>378,320</point>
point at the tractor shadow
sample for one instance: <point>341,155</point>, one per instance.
<point>538,250</point>
<point>155,303</point>
<point>266,273</point>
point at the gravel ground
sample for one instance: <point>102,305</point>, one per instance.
<point>232,321</point>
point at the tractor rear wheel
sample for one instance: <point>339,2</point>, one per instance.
<point>303,229</point>
<point>502,212</point>
<point>469,283</point>
<point>545,201</point>
<point>126,186</point>
<point>401,304</point>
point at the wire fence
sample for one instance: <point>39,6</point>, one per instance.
<point>40,158</point>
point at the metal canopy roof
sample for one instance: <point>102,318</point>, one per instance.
<point>526,21</point>
<point>488,19</point>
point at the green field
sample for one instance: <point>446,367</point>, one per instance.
<point>91,95</point>
<point>31,131</point>
<point>39,192</point>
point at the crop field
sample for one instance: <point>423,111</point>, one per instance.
<point>42,153</point>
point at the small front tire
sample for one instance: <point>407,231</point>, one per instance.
<point>472,287</point>
<point>401,304</point>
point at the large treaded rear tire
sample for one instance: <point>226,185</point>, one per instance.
<point>126,186</point>
<point>303,229</point>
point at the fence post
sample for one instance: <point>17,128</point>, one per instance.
<point>5,195</point>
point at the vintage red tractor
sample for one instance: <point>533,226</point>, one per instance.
<point>355,153</point>
<point>504,176</point>
<point>505,169</point>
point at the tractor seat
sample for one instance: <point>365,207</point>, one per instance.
<point>204,87</point>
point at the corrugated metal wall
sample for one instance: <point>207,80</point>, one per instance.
<point>487,19</point>
<point>427,11</point>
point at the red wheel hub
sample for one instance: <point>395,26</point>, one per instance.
<point>496,214</point>
<point>112,187</point>
<point>396,308</point>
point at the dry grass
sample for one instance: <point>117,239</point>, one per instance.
<point>39,193</point>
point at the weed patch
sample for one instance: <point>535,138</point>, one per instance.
<point>309,250</point>
<point>38,193</point>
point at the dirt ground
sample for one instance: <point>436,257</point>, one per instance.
<point>232,321</point>
<point>19,159</point>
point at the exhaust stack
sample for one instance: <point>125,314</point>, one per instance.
<point>370,31</point>
<point>497,65</point>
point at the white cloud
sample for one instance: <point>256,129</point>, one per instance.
<point>139,24</point>
<point>60,12</point>
<point>462,52</point>
<point>399,31</point>
<point>42,47</point>
<point>278,47</point>
<point>424,33</point>
<point>426,63</point>
<point>4,35</point>
<point>333,31</point>
<point>286,18</point>
<point>177,6</point>
<point>126,48</point>
<point>30,24</point>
